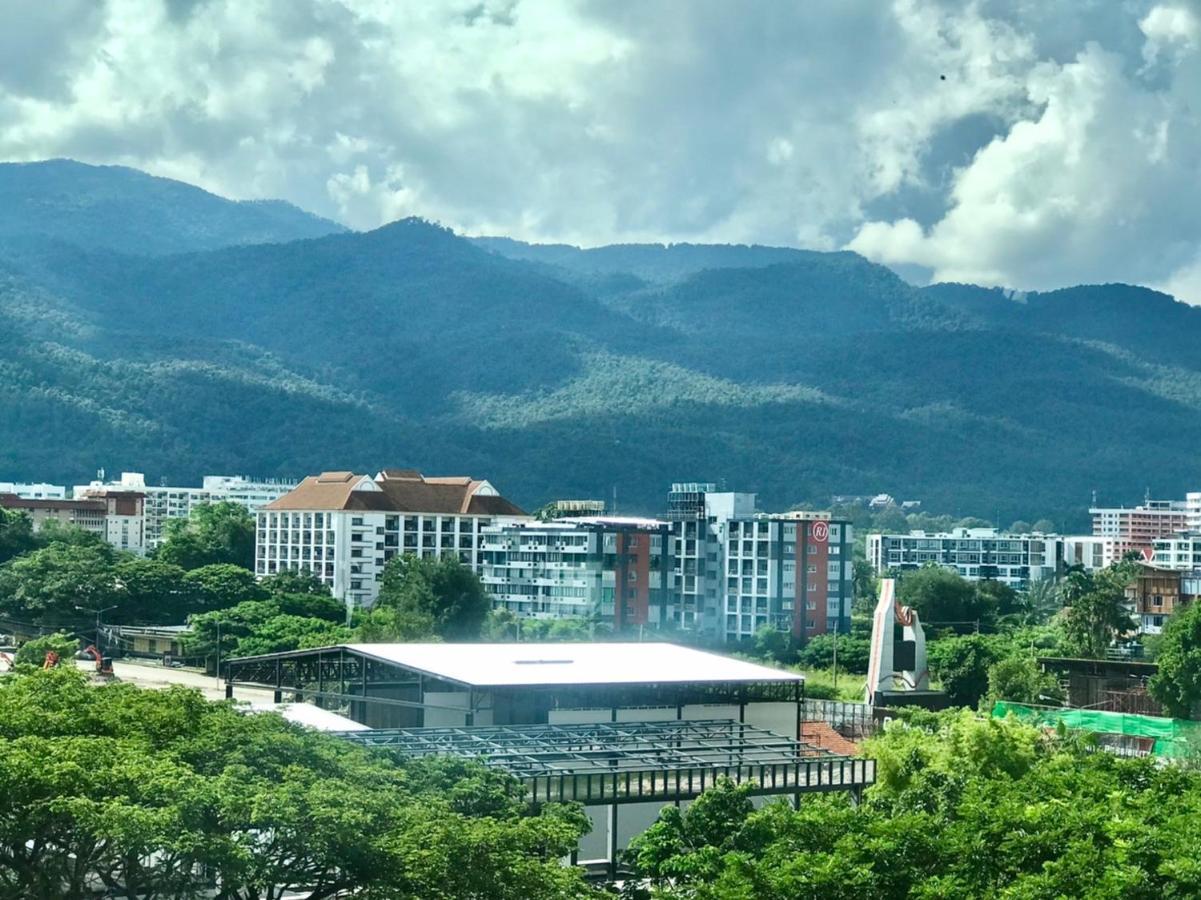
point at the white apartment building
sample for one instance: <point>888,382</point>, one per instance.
<point>1181,551</point>
<point>164,502</point>
<point>974,553</point>
<point>344,527</point>
<point>32,491</point>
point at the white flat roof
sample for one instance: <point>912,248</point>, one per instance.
<point>310,716</point>
<point>538,663</point>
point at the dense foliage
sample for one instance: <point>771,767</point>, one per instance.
<point>212,533</point>
<point>165,795</point>
<point>978,808</point>
<point>1177,683</point>
<point>507,367</point>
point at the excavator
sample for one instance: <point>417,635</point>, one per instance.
<point>104,665</point>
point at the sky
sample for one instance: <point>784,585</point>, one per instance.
<point>1029,144</point>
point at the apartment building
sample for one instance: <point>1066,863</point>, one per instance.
<point>116,516</point>
<point>974,553</point>
<point>792,571</point>
<point>1181,552</point>
<point>164,502</point>
<point>1135,528</point>
<point>615,569</point>
<point>736,570</point>
<point>34,491</point>
<point>345,527</point>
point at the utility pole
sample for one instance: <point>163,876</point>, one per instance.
<point>98,613</point>
<point>218,651</point>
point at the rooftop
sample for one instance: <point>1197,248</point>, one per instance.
<point>397,490</point>
<point>534,664</point>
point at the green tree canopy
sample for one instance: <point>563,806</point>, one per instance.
<point>1177,683</point>
<point>48,585</point>
<point>32,654</point>
<point>222,585</point>
<point>940,595</point>
<point>162,794</point>
<point>1095,608</point>
<point>438,594</point>
<point>213,533</point>
<point>16,534</point>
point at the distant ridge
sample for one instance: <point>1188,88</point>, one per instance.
<point>555,371</point>
<point>121,209</point>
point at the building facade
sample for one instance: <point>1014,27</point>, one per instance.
<point>792,571</point>
<point>344,527</point>
<point>1152,596</point>
<point>736,570</point>
<point>116,516</point>
<point>977,554</point>
<point>612,569</point>
<point>31,491</point>
<point>163,502</point>
<point>1181,552</point>
<point>1136,528</point>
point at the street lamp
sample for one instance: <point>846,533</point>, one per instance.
<point>98,613</point>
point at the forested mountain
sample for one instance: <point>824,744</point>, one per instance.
<point>560,372</point>
<point>122,209</point>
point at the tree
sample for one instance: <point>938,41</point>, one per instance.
<point>162,794</point>
<point>1043,526</point>
<point>775,645</point>
<point>32,654</point>
<point>286,632</point>
<point>222,585</point>
<point>1177,683</point>
<point>16,534</point>
<point>1020,527</point>
<point>48,585</point>
<point>853,652</point>
<point>438,593</point>
<point>962,665</point>
<point>213,533</point>
<point>1019,679</point>
<point>1095,608</point>
<point>290,581</point>
<point>940,595</point>
<point>154,592</point>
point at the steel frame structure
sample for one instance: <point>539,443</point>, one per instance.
<point>605,764</point>
<point>342,679</point>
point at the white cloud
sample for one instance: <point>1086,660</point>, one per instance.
<point>988,141</point>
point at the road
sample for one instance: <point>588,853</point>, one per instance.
<point>149,675</point>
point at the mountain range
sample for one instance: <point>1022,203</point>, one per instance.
<point>146,324</point>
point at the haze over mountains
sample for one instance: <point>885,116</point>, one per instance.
<point>147,324</point>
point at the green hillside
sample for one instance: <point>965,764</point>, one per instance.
<point>790,373</point>
<point>122,209</point>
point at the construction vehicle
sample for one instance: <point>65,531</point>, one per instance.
<point>104,664</point>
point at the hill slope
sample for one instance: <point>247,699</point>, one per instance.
<point>116,208</point>
<point>790,373</point>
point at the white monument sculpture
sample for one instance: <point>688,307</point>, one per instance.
<point>882,671</point>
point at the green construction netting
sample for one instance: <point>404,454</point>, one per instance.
<point>1173,737</point>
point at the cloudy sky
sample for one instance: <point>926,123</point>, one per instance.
<point>1027,143</point>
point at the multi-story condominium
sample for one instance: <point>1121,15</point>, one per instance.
<point>116,516</point>
<point>698,513</point>
<point>1092,552</point>
<point>614,569</point>
<point>344,527</point>
<point>1192,510</point>
<point>975,553</point>
<point>1180,551</point>
<point>737,570</point>
<point>1135,528</point>
<point>30,491</point>
<point>164,502</point>
<point>791,571</point>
